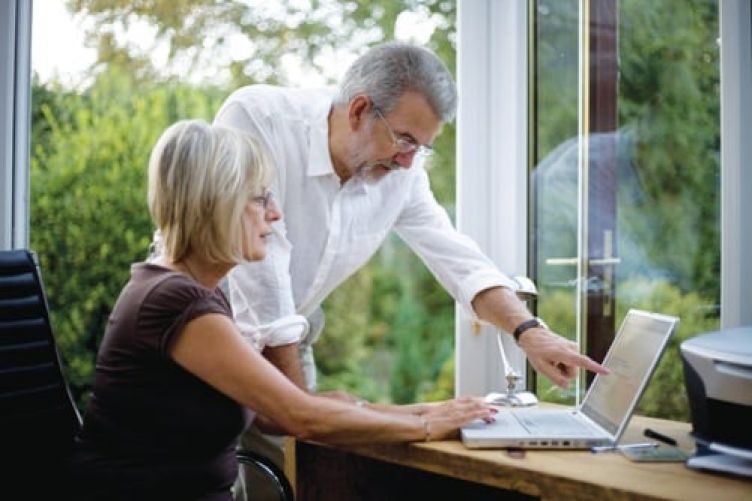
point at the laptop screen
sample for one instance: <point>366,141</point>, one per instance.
<point>631,359</point>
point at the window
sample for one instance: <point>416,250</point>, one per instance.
<point>622,171</point>
<point>493,157</point>
<point>626,173</point>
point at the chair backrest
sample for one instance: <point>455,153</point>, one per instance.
<point>38,418</point>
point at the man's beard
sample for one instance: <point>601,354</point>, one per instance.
<point>370,173</point>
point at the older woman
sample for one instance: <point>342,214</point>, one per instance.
<point>176,383</point>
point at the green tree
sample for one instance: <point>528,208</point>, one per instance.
<point>670,105</point>
<point>89,219</point>
<point>199,34</point>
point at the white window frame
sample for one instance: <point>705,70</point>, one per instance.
<point>15,110</point>
<point>736,162</point>
<point>492,138</point>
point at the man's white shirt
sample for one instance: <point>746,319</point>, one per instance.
<point>328,230</point>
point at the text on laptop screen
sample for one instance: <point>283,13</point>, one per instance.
<point>630,359</point>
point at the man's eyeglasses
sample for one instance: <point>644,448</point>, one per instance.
<point>263,200</point>
<point>405,144</point>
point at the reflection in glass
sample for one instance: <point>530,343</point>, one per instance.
<point>658,166</point>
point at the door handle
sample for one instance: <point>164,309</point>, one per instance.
<point>608,260</point>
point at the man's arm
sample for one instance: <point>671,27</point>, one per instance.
<point>473,280</point>
<point>550,354</point>
<point>286,358</point>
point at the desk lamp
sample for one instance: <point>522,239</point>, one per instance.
<point>526,290</point>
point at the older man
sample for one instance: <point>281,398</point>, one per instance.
<point>350,170</point>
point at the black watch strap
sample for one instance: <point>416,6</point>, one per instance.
<point>527,324</point>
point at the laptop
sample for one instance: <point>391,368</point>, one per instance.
<point>603,415</point>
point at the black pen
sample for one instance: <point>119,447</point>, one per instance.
<point>659,436</point>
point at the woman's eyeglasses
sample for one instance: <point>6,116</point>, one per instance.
<point>263,200</point>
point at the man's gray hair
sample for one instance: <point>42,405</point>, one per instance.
<point>389,70</point>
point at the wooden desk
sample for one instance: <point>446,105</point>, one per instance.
<point>448,470</point>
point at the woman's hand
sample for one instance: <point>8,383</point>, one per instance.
<point>445,418</point>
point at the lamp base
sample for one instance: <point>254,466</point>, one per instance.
<point>516,399</point>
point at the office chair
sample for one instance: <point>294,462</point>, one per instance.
<point>38,417</point>
<point>270,472</point>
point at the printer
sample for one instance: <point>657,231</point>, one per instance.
<point>718,378</point>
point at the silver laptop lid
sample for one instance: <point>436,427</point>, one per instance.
<point>632,358</point>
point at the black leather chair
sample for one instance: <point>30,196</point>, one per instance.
<point>38,417</point>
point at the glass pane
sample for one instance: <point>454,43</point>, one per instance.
<point>651,178</point>
<point>669,193</point>
<point>554,175</point>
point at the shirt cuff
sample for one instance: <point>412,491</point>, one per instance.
<point>286,330</point>
<point>478,282</point>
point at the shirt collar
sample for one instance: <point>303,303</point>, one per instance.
<point>319,159</point>
<point>360,186</point>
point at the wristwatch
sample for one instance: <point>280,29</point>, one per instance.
<point>527,324</point>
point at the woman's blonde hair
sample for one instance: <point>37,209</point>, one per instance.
<point>200,179</point>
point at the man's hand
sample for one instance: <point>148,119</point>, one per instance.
<point>555,357</point>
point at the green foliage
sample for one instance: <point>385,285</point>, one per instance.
<point>443,388</point>
<point>396,326</point>
<point>669,104</point>
<point>309,32</point>
<point>556,74</point>
<point>89,219</point>
<point>665,396</point>
<point>341,350</point>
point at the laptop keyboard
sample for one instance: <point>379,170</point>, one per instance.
<point>553,423</point>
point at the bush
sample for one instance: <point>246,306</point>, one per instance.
<point>89,219</point>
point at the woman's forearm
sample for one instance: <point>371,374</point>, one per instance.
<point>414,409</point>
<point>336,422</point>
